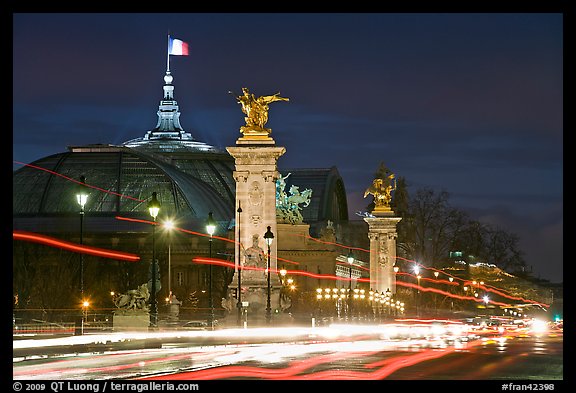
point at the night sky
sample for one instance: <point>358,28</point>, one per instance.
<point>469,103</point>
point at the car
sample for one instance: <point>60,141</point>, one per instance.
<point>199,324</point>
<point>195,325</point>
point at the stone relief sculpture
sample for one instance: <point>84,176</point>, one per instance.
<point>255,258</point>
<point>288,209</point>
<point>255,194</point>
<point>134,299</point>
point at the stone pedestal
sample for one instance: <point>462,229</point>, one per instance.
<point>382,235</point>
<point>130,320</point>
<point>293,236</point>
<point>256,298</point>
<point>174,308</point>
<point>256,173</point>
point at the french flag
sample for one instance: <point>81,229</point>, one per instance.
<point>177,47</point>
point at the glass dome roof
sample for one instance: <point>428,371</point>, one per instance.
<point>121,181</point>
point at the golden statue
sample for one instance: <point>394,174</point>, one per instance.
<point>256,111</point>
<point>381,189</point>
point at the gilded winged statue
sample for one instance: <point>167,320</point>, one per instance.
<point>381,189</point>
<point>256,111</point>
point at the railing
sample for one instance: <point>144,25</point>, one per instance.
<point>48,328</point>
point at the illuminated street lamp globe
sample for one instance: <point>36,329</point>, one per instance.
<point>210,224</point>
<point>154,206</point>
<point>82,194</point>
<point>154,209</point>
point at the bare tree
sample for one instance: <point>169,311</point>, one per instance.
<point>431,228</point>
<point>501,249</point>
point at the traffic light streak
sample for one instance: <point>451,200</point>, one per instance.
<point>76,181</point>
<point>221,262</point>
<point>74,247</point>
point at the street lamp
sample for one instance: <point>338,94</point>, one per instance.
<point>418,276</point>
<point>85,305</point>
<point>283,273</point>
<point>82,198</point>
<point>451,298</point>
<point>268,237</point>
<point>239,291</point>
<point>154,209</point>
<point>169,225</point>
<point>387,296</point>
<point>350,259</point>
<point>436,274</point>
<point>210,228</point>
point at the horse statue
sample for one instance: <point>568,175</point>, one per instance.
<point>288,207</point>
<point>297,198</point>
<point>134,299</point>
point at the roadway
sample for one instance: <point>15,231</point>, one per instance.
<point>401,351</point>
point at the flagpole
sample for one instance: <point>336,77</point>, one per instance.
<point>168,56</point>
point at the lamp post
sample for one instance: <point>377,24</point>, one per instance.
<point>451,279</point>
<point>388,297</point>
<point>268,237</point>
<point>169,225</point>
<point>284,287</point>
<point>85,305</point>
<point>417,271</point>
<point>436,274</point>
<point>239,294</point>
<point>82,198</point>
<point>154,209</point>
<point>350,259</point>
<point>210,228</point>
<point>374,297</point>
<point>396,270</point>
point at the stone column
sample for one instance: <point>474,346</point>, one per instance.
<point>382,235</point>
<point>256,173</point>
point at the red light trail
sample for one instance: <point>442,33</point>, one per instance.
<point>383,368</point>
<point>465,282</point>
<point>76,181</point>
<point>74,247</point>
<point>221,262</point>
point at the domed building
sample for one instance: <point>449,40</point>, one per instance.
<point>190,179</point>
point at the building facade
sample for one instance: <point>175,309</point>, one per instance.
<point>191,179</point>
